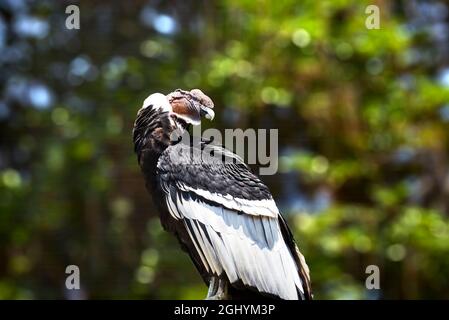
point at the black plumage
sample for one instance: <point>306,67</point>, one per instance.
<point>222,214</point>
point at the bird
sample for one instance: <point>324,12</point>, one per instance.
<point>222,214</point>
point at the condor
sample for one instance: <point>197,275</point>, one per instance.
<point>222,214</point>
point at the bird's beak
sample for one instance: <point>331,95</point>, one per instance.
<point>207,112</point>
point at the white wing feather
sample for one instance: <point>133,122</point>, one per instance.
<point>245,247</point>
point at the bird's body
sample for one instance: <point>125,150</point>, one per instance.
<point>222,214</point>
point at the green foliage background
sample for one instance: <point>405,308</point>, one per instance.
<point>363,118</point>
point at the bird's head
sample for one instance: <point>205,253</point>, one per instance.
<point>191,105</point>
<point>184,107</point>
<point>164,119</point>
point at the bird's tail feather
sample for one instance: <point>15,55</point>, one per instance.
<point>303,268</point>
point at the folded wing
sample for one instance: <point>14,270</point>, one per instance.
<point>232,220</point>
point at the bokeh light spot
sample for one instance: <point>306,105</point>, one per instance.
<point>301,38</point>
